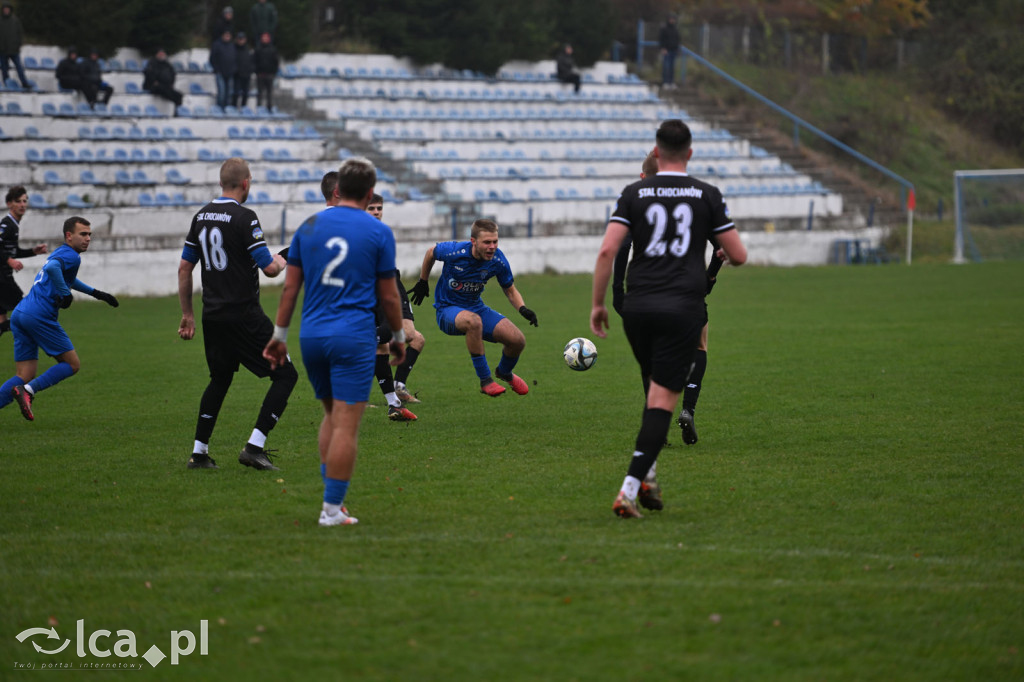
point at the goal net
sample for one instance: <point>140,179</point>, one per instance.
<point>989,207</point>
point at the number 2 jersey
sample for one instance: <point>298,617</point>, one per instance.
<point>670,216</point>
<point>227,240</point>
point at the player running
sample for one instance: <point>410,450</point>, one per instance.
<point>34,320</point>
<point>460,312</point>
<point>671,217</point>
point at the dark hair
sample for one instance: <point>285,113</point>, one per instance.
<point>69,224</point>
<point>15,193</point>
<point>673,139</point>
<point>328,183</point>
<point>356,178</point>
<point>377,199</point>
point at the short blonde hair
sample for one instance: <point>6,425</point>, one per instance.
<point>233,173</point>
<point>482,225</point>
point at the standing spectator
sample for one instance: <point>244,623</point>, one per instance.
<point>70,76</point>
<point>566,66</point>
<point>243,73</point>
<point>158,78</point>
<point>11,34</point>
<point>34,321</point>
<point>266,64</point>
<point>10,253</point>
<point>227,239</point>
<point>263,17</point>
<point>668,40</point>
<point>226,22</point>
<point>92,74</point>
<point>663,312</point>
<point>346,260</point>
<point>224,60</point>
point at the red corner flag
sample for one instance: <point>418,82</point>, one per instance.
<point>911,200</point>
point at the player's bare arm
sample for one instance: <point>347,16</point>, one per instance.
<point>276,267</point>
<point>614,234</point>
<point>387,294</point>
<point>276,350</point>
<point>516,299</point>
<point>732,247</point>
<point>187,326</point>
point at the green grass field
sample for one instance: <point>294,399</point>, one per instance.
<point>854,509</point>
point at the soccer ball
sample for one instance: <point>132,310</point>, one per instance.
<point>580,354</point>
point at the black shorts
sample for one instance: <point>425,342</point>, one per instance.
<point>10,294</point>
<point>381,320</point>
<point>664,345</point>
<point>230,343</point>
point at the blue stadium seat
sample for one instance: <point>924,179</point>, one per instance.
<point>38,201</point>
<point>33,155</point>
<point>49,108</point>
<point>174,177</point>
<point>123,177</point>
<point>312,197</point>
<point>75,201</point>
<point>51,177</point>
<point>139,177</point>
<point>87,177</point>
<point>146,199</point>
<point>132,88</point>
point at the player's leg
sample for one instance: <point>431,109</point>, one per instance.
<point>222,365</point>
<point>350,364</point>
<point>692,391</point>
<point>461,322</point>
<point>252,337</point>
<point>512,343</point>
<point>665,344</point>
<point>414,347</point>
<point>31,334</point>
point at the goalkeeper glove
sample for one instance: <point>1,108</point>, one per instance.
<point>283,253</point>
<point>105,297</point>
<point>529,315</point>
<point>419,292</point>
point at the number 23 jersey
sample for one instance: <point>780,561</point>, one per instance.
<point>671,216</point>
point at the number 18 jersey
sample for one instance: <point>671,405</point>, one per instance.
<point>671,216</point>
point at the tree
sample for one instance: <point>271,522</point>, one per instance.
<point>101,24</point>
<point>169,24</point>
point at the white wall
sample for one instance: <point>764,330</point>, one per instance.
<point>154,273</point>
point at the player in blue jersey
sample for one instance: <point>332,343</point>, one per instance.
<point>34,320</point>
<point>345,258</point>
<point>460,312</point>
<point>226,239</point>
<point>670,217</point>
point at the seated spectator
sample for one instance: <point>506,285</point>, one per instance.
<point>567,72</point>
<point>93,75</point>
<point>158,78</point>
<point>70,76</point>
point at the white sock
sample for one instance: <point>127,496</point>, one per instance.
<point>201,448</point>
<point>399,386</point>
<point>28,389</point>
<point>652,472</point>
<point>630,486</point>
<point>258,438</point>
<point>332,509</point>
<point>392,399</point>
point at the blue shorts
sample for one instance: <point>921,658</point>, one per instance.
<point>490,318</point>
<point>32,333</point>
<point>340,367</point>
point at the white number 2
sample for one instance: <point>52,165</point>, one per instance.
<point>657,218</point>
<point>327,279</point>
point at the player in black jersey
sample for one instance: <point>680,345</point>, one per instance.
<point>670,217</point>
<point>700,359</point>
<point>227,239</point>
<point>10,253</point>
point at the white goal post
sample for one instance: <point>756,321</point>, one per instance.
<point>988,199</point>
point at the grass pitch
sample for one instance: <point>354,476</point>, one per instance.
<point>853,510</point>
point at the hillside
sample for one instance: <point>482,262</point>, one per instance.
<point>879,115</point>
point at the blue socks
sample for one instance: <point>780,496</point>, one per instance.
<point>5,391</point>
<point>334,490</point>
<point>483,370</point>
<point>506,365</point>
<point>54,375</point>
<point>323,473</point>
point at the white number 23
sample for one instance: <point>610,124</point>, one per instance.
<point>657,218</point>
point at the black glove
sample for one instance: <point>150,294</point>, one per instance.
<point>713,268</point>
<point>419,292</point>
<point>65,301</point>
<point>711,285</point>
<point>618,298</point>
<point>105,297</point>
<point>529,315</point>
<point>283,253</point>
